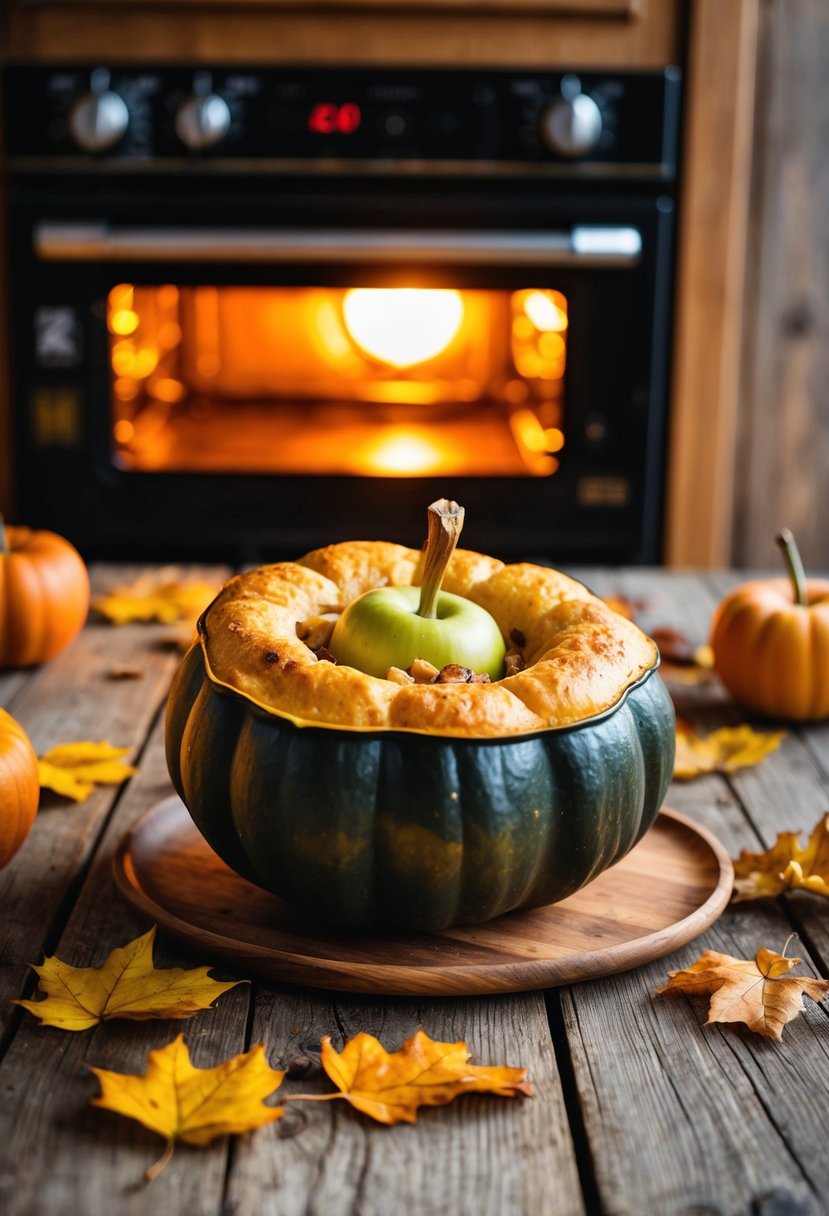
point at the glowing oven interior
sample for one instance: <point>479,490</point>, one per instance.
<point>395,382</point>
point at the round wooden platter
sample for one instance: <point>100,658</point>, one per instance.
<point>667,890</point>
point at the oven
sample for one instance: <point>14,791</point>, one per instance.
<point>258,310</point>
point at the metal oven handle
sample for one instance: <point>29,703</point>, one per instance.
<point>586,245</point>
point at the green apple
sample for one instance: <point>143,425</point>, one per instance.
<point>382,629</point>
<point>392,626</point>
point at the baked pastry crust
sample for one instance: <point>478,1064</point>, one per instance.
<point>580,655</point>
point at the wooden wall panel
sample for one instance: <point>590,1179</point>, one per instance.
<point>234,32</point>
<point>711,256</point>
<point>783,460</point>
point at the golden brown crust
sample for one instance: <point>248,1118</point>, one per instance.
<point>359,565</point>
<point>580,655</point>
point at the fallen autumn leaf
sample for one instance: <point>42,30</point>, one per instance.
<point>163,596</point>
<point>392,1086</point>
<point>754,991</point>
<point>74,769</point>
<point>722,751</point>
<point>126,986</point>
<point>785,866</point>
<point>195,1105</point>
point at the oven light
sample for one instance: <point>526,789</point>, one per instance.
<point>545,312</point>
<point>404,453</point>
<point>535,442</point>
<point>123,321</point>
<point>402,326</point>
<point>122,296</point>
<point>531,434</point>
<point>125,388</point>
<point>167,390</point>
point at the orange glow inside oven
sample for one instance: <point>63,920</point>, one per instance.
<point>397,382</point>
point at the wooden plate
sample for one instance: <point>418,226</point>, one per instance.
<point>670,888</point>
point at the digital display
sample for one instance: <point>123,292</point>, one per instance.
<point>332,118</point>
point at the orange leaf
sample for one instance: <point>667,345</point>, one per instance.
<point>754,991</point>
<point>74,769</point>
<point>785,865</point>
<point>163,596</point>
<point>126,986</point>
<point>722,751</point>
<point>392,1086</point>
<point>196,1105</point>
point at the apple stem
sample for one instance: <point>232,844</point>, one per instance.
<point>797,574</point>
<point>445,523</point>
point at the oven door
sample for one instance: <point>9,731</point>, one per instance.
<point>251,389</point>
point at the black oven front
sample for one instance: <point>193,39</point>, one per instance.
<point>257,311</point>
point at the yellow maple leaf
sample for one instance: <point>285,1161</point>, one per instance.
<point>126,986</point>
<point>391,1086</point>
<point>163,596</point>
<point>757,991</point>
<point>722,751</point>
<point>74,769</point>
<point>785,866</point>
<point>195,1105</point>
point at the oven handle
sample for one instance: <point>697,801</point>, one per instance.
<point>584,245</point>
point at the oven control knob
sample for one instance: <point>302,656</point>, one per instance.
<point>202,121</point>
<point>571,126</point>
<point>98,120</point>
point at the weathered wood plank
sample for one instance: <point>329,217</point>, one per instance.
<point>62,1154</point>
<point>74,697</point>
<point>791,794</point>
<point>679,1117</point>
<point>11,682</point>
<point>686,1118</point>
<point>482,1156</point>
<point>683,1117</point>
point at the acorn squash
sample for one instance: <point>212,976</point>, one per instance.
<point>370,804</point>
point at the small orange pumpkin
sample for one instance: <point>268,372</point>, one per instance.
<point>770,640</point>
<point>44,595</point>
<point>19,786</point>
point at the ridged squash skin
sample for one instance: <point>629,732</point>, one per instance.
<point>405,830</point>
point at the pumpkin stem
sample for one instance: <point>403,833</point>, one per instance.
<point>797,574</point>
<point>4,548</point>
<point>445,523</point>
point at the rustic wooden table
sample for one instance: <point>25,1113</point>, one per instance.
<point>639,1107</point>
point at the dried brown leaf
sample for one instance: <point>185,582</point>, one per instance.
<point>757,992</point>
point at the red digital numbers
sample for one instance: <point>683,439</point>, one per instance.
<point>327,118</point>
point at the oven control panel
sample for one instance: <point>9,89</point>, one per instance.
<point>329,120</point>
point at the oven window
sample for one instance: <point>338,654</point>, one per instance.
<point>395,382</point>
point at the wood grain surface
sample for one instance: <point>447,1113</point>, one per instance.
<point>639,1108</point>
